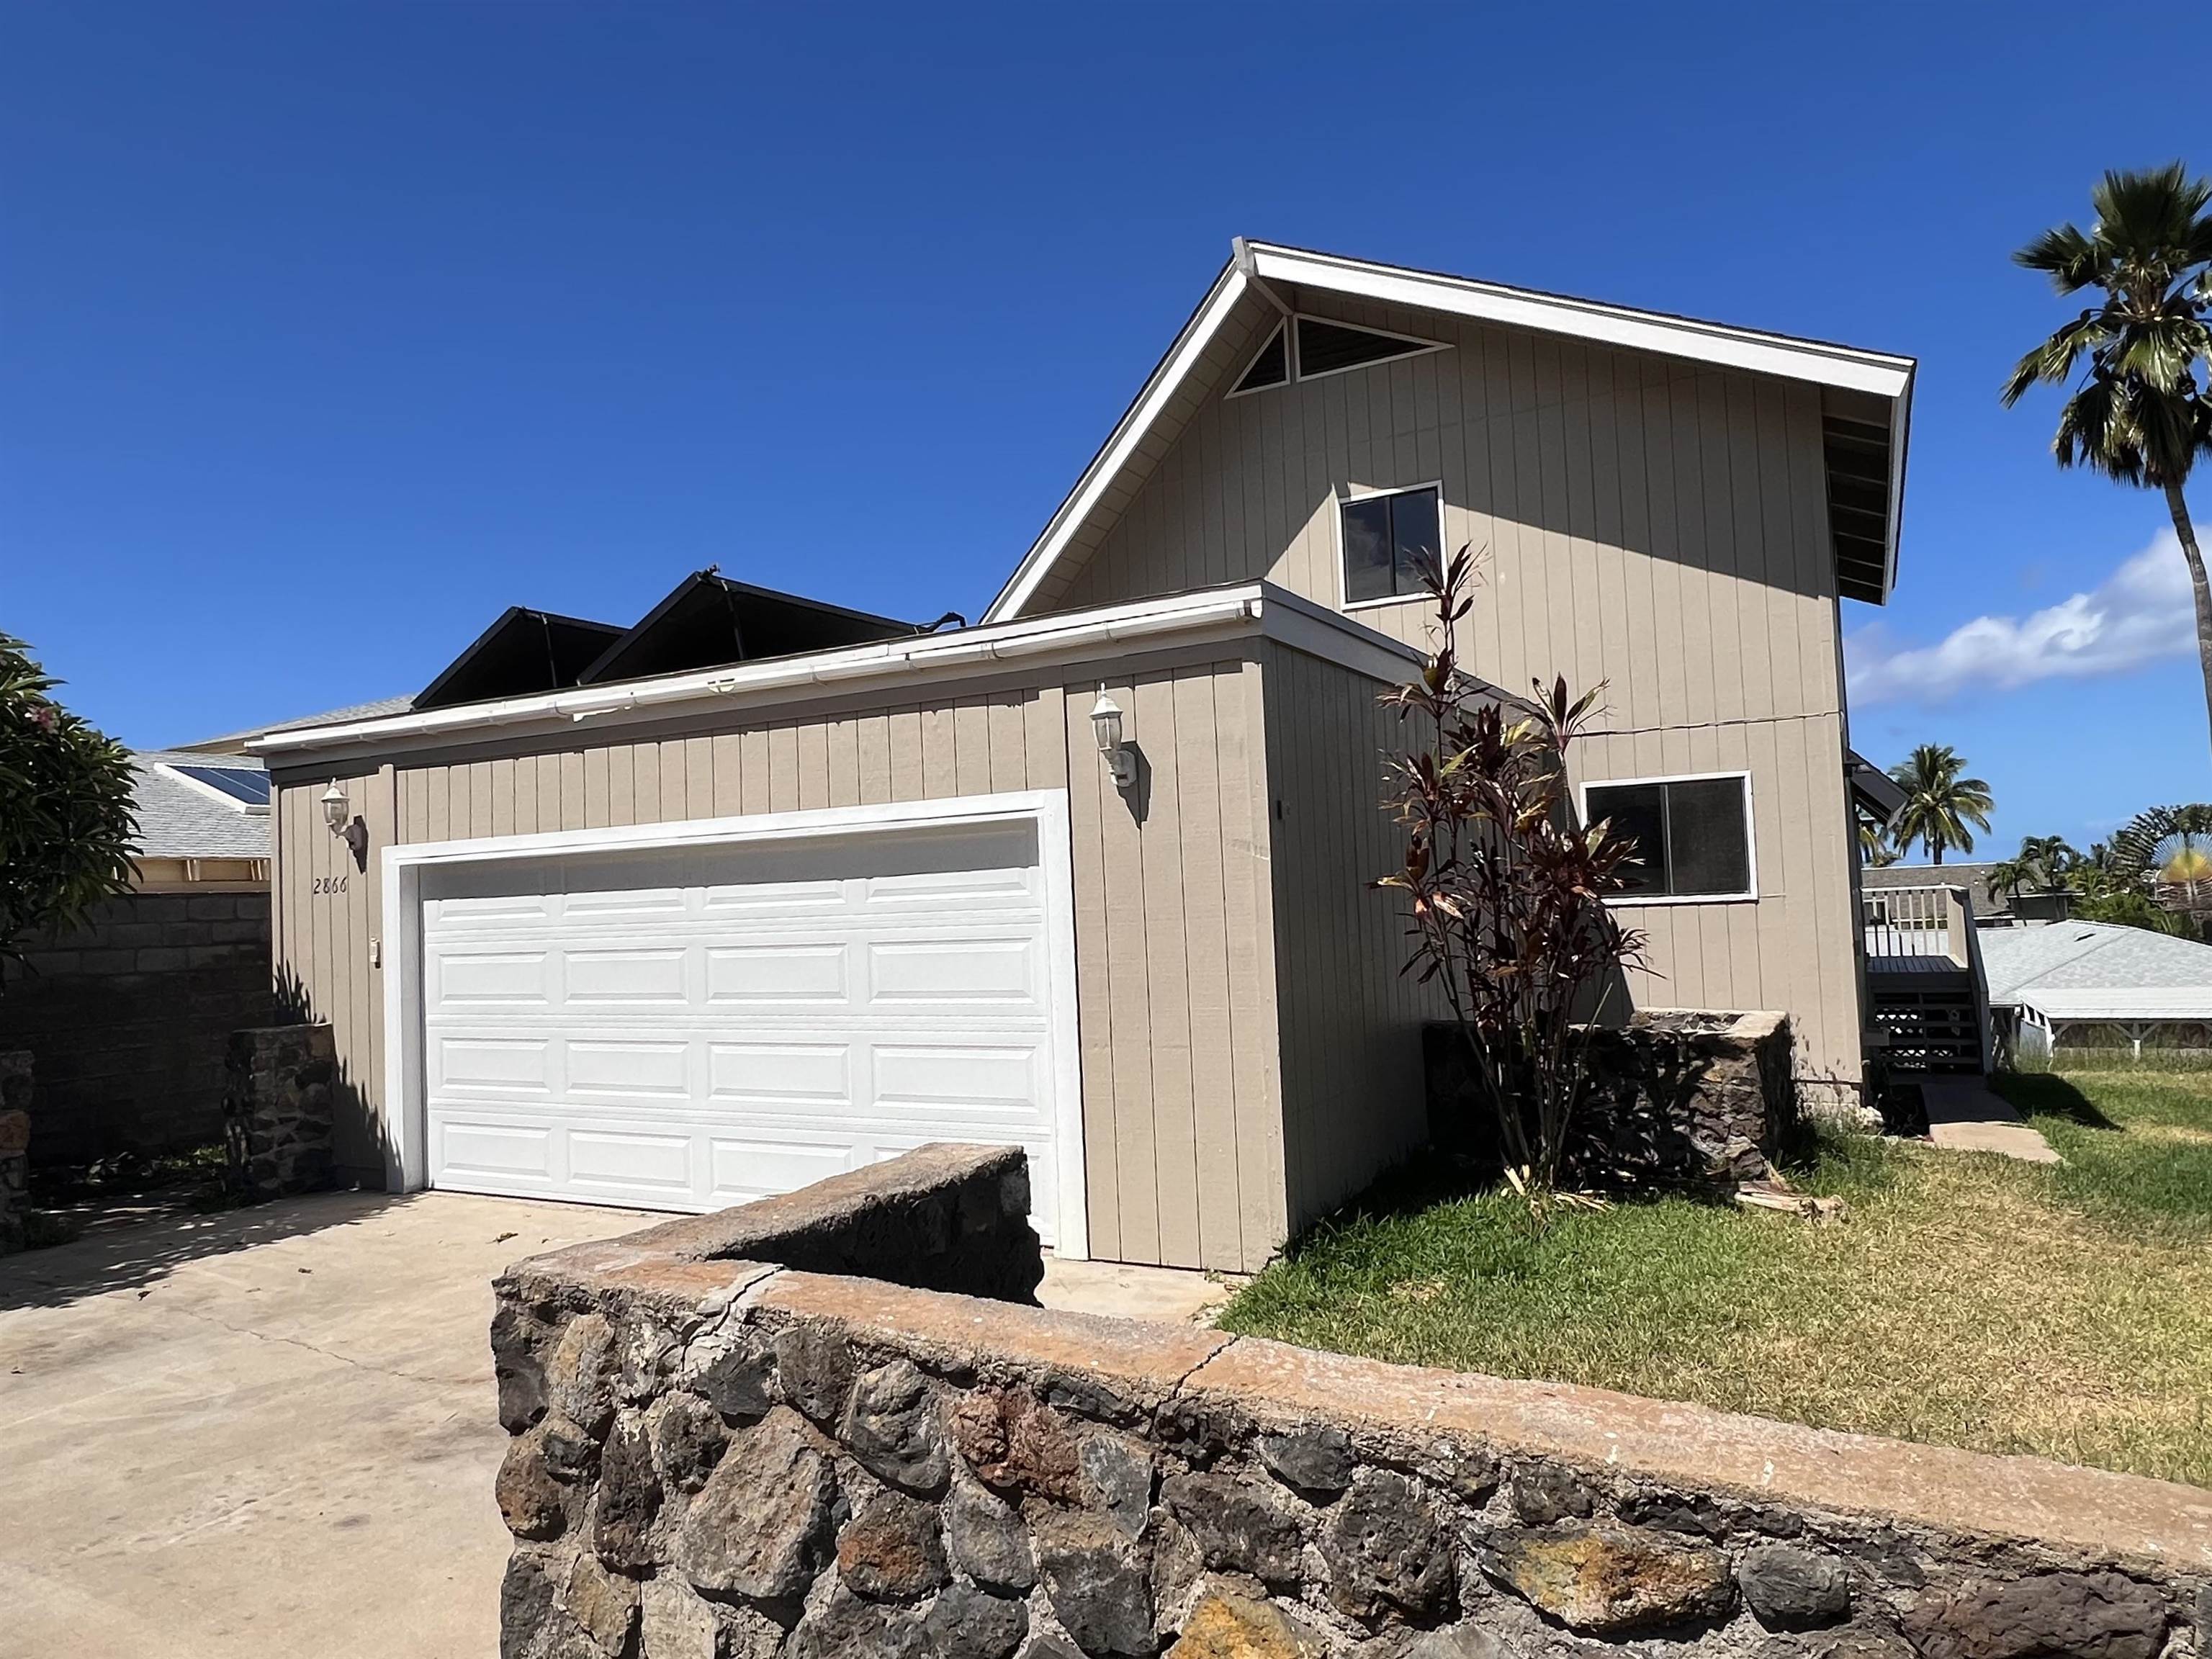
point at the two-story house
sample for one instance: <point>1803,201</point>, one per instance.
<point>683,913</point>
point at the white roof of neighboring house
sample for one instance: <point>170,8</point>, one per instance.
<point>2095,970</point>
<point>179,817</point>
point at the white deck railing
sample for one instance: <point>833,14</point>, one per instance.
<point>1917,921</point>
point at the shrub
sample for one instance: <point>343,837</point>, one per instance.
<point>1505,888</point>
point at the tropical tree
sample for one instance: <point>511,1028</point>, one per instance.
<point>2042,863</point>
<point>67,829</point>
<point>2138,413</point>
<point>1874,850</point>
<point>1938,803</point>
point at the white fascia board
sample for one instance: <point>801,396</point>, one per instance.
<point>1106,465</point>
<point>1874,372</point>
<point>1215,613</point>
<point>1816,362</point>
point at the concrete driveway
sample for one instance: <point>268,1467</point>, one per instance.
<point>268,1432</point>
<point>271,1433</point>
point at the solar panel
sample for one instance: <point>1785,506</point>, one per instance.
<point>240,783</point>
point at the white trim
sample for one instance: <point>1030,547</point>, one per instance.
<point>1257,264</point>
<point>1237,388</point>
<point>245,808</point>
<point>1152,402</point>
<point>1185,618</point>
<point>1345,497</point>
<point>1849,367</point>
<point>1638,901</point>
<point>407,1165</point>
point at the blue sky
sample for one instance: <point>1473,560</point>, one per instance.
<point>327,331</point>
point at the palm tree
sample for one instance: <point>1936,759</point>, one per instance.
<point>1874,850</point>
<point>2138,414</point>
<point>1938,803</point>
<point>2042,863</point>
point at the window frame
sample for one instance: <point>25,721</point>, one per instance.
<point>1345,497</point>
<point>1294,373</point>
<point>1629,901</point>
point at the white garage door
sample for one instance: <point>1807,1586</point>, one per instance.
<point>691,1029</point>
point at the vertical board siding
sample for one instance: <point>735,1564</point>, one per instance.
<point>1354,1101</point>
<point>1182,1141</point>
<point>1656,525</point>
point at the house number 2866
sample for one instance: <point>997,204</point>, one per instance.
<point>329,884</point>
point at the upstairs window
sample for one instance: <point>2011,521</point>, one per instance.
<point>1271,368</point>
<point>1389,540</point>
<point>1692,835</point>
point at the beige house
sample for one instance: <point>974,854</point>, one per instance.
<point>681,913</point>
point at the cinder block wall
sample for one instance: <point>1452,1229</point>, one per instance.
<point>128,1019</point>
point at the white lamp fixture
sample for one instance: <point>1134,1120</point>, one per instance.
<point>1106,722</point>
<point>338,813</point>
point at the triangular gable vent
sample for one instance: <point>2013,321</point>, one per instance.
<point>1323,348</point>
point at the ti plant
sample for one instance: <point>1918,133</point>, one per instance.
<point>1505,888</point>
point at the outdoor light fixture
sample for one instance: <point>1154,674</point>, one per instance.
<point>338,813</point>
<point>1106,722</point>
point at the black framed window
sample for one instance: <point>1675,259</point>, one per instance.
<point>1692,835</point>
<point>1387,539</point>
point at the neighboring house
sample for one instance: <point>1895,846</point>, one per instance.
<point>2092,985</point>
<point>767,888</point>
<point>2024,907</point>
<point>127,1017</point>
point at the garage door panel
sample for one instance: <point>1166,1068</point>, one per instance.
<point>999,1079</point>
<point>492,977</point>
<point>628,1068</point>
<point>490,1065</point>
<point>635,974</point>
<point>741,975</point>
<point>494,1151</point>
<point>738,1022</point>
<point>631,1159</point>
<point>810,1074</point>
<point>1003,970</point>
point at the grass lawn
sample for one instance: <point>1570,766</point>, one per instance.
<point>1966,1298</point>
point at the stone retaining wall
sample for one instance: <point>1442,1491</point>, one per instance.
<point>277,1111</point>
<point>1680,1097</point>
<point>726,1460</point>
<point>15,1147</point>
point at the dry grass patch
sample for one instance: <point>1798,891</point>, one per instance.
<point>1966,1299</point>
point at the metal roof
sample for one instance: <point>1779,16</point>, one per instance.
<point>179,820</point>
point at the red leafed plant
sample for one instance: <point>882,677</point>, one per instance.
<point>1505,888</point>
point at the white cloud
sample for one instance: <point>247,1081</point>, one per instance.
<point>2138,614</point>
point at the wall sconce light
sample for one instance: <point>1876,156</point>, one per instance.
<point>1106,723</point>
<point>338,814</point>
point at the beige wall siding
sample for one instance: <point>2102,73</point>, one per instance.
<point>1797,947</point>
<point>1658,526</point>
<point>1182,1144</point>
<point>1353,1098</point>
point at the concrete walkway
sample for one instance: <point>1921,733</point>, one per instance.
<point>269,1433</point>
<point>1965,1115</point>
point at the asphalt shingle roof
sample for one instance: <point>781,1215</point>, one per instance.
<point>2092,956</point>
<point>178,821</point>
<point>233,742</point>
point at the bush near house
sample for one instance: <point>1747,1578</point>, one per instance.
<point>1965,1299</point>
